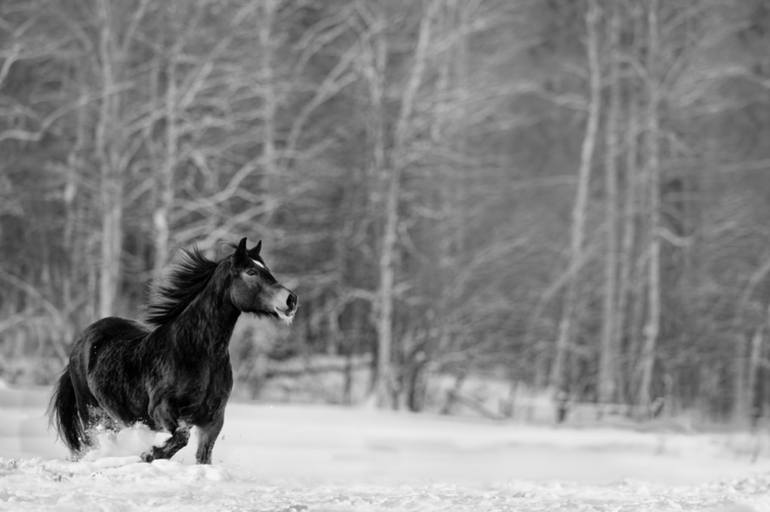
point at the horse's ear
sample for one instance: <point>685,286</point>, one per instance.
<point>239,256</point>
<point>254,251</point>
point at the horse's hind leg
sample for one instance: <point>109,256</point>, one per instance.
<point>102,420</point>
<point>100,424</point>
<point>207,437</point>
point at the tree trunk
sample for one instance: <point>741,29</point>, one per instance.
<point>269,108</point>
<point>741,380</point>
<point>608,355</point>
<point>386,299</point>
<point>111,185</point>
<point>652,327</point>
<point>625,272</point>
<point>393,179</point>
<point>165,177</point>
<point>558,368</point>
<point>754,384</point>
<point>375,73</point>
<point>73,241</point>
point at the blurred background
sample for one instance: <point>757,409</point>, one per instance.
<point>537,209</point>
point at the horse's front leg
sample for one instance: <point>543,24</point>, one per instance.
<point>164,416</point>
<point>207,437</point>
<point>178,440</point>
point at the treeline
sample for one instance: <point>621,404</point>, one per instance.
<point>567,194</point>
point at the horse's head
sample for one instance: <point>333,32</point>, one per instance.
<point>255,290</point>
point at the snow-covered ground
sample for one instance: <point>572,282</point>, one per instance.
<point>313,458</point>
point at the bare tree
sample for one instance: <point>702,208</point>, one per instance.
<point>108,152</point>
<point>398,162</point>
<point>652,326</point>
<point>609,350</point>
<point>579,212</point>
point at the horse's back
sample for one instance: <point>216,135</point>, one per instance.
<point>115,327</point>
<point>103,333</point>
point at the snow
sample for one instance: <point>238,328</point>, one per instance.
<point>314,458</point>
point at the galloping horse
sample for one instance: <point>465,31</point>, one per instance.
<point>175,374</point>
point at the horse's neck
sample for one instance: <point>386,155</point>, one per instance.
<point>208,322</point>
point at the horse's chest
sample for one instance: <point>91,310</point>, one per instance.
<point>219,383</point>
<point>206,390</point>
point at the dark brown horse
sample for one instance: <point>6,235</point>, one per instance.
<point>176,373</point>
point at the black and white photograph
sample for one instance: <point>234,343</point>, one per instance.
<point>385,255</point>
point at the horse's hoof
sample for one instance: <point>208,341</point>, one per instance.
<point>147,457</point>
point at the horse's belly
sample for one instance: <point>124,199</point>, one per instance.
<point>122,399</point>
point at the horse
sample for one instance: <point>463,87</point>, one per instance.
<point>172,372</point>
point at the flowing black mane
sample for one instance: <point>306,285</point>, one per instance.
<point>185,281</point>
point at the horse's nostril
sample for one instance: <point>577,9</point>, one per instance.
<point>291,301</point>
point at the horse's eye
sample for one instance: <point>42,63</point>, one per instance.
<point>252,272</point>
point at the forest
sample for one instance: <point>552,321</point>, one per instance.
<point>569,196</point>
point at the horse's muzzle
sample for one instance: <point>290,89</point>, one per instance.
<point>285,304</point>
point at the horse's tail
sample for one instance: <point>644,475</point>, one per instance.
<point>65,414</point>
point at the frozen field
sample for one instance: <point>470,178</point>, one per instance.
<point>306,458</point>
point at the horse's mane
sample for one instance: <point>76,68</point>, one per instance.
<point>179,287</point>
